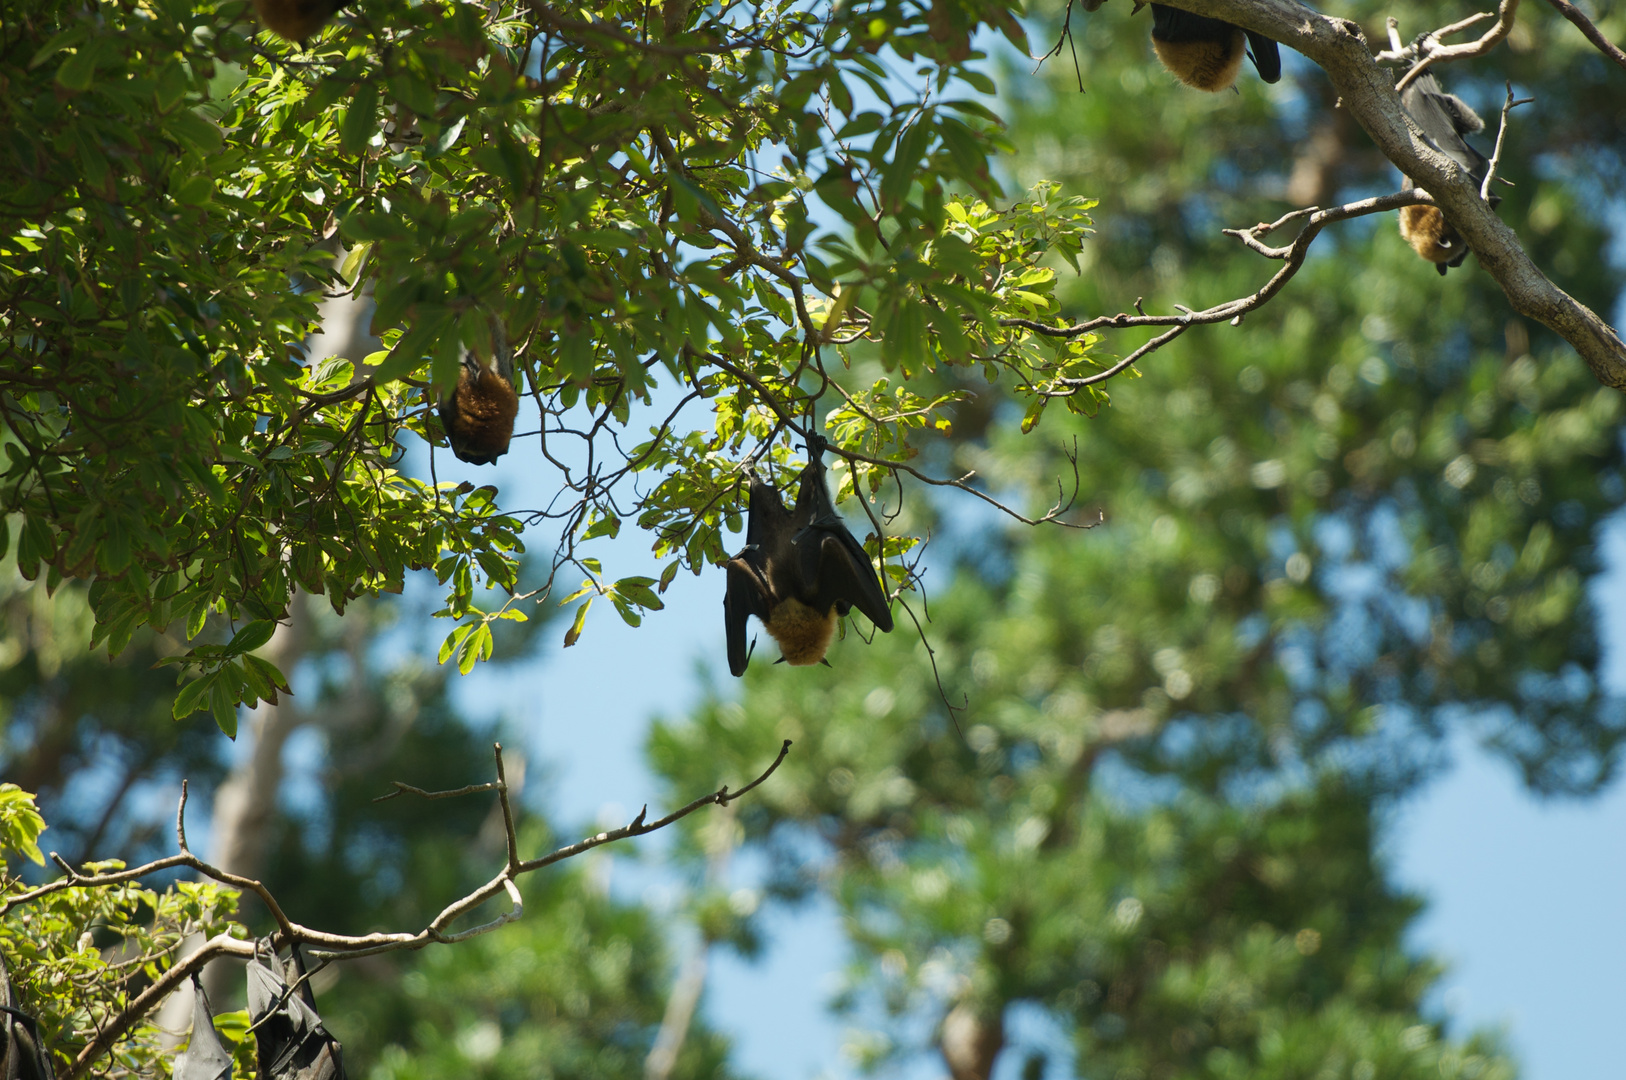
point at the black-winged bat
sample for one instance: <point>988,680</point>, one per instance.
<point>1207,53</point>
<point>290,1041</point>
<point>296,20</point>
<point>1443,119</point>
<point>204,1057</point>
<point>22,1052</point>
<point>478,414</point>
<point>800,571</point>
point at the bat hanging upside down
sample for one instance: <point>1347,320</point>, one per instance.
<point>296,20</point>
<point>1445,120</point>
<point>478,414</point>
<point>799,572</point>
<point>1206,53</point>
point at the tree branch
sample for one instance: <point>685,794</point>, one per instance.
<point>344,946</point>
<point>1593,34</point>
<point>1366,90</point>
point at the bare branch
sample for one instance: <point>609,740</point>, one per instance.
<point>148,999</point>
<point>1231,311</point>
<point>1398,52</point>
<point>1501,135</point>
<point>408,789</point>
<point>1431,52</point>
<point>343,946</point>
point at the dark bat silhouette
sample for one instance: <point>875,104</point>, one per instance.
<point>1207,53</point>
<point>290,1041</point>
<point>478,414</point>
<point>296,20</point>
<point>22,1051</point>
<point>204,1057</point>
<point>1443,119</point>
<point>799,572</point>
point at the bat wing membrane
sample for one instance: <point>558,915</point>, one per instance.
<point>1267,58</point>
<point>834,568</point>
<point>842,574</point>
<point>204,1057</point>
<point>752,588</point>
<point>747,595</point>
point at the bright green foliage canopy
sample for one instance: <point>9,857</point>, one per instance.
<point>714,199</point>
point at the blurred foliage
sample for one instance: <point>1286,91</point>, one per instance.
<point>1129,775</point>
<point>92,734</point>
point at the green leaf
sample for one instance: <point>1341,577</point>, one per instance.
<point>20,824</point>
<point>192,696</point>
<point>360,120</point>
<point>197,132</point>
<point>251,637</point>
<point>79,70</point>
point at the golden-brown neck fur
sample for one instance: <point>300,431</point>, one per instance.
<point>1206,65</point>
<point>1428,233</point>
<point>803,634</point>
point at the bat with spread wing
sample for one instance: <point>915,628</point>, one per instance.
<point>290,1041</point>
<point>800,571</point>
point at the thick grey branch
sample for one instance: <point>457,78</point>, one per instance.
<point>1366,90</point>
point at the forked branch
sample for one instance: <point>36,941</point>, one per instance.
<point>346,946</point>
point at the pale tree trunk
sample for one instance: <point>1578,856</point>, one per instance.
<point>972,1038</point>
<point>247,799</point>
<point>720,838</point>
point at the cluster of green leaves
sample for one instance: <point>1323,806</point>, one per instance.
<point>634,199</point>
<point>78,956</point>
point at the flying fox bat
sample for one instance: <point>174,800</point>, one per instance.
<point>290,1041</point>
<point>1207,53</point>
<point>478,414</point>
<point>204,1057</point>
<point>22,1051</point>
<point>296,20</point>
<point>799,572</point>
<point>1443,119</point>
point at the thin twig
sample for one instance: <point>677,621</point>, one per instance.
<point>1593,34</point>
<point>1431,52</point>
<point>1501,134</point>
<point>344,946</point>
<point>408,789</point>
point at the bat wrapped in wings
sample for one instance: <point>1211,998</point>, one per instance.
<point>205,1057</point>
<point>800,571</point>
<point>291,1042</point>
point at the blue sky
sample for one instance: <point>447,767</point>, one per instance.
<point>1527,899</point>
